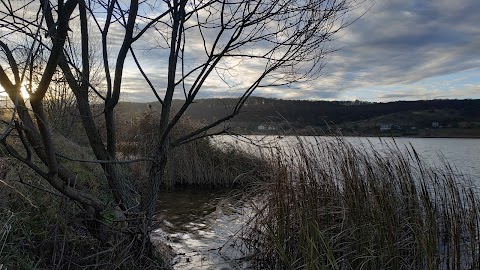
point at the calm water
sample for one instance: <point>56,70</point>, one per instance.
<point>199,224</point>
<point>463,154</point>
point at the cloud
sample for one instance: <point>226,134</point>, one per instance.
<point>419,92</point>
<point>403,42</point>
<point>393,47</point>
<point>397,50</point>
<point>463,85</point>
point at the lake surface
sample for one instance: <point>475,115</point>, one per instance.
<point>199,224</point>
<point>462,153</point>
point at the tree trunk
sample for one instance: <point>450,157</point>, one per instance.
<point>156,173</point>
<point>117,182</point>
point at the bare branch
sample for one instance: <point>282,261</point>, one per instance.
<point>67,190</point>
<point>146,77</point>
<point>58,42</point>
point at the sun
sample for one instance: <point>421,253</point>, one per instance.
<point>24,92</point>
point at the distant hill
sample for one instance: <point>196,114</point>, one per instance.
<point>263,115</point>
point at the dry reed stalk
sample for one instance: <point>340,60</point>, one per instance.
<point>331,205</point>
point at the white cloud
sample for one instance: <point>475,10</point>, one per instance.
<point>389,53</point>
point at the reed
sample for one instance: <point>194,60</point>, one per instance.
<point>204,164</point>
<point>198,163</point>
<point>330,205</point>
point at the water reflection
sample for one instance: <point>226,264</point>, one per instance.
<point>199,226</point>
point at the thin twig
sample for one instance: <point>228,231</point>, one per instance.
<point>19,193</point>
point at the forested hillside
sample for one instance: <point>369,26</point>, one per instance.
<point>263,115</point>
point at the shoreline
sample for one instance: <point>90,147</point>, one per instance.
<point>368,136</point>
<point>450,133</point>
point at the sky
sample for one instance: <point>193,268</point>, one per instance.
<point>407,50</point>
<point>396,50</point>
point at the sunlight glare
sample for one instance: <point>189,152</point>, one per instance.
<point>24,92</point>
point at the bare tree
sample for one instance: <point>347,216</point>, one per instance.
<point>216,42</point>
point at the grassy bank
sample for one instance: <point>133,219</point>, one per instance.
<point>331,205</point>
<point>41,229</point>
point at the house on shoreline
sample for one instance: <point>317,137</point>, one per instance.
<point>389,127</point>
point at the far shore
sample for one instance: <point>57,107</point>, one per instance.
<point>447,133</point>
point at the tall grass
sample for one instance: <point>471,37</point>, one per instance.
<point>200,163</point>
<point>204,164</point>
<point>331,205</point>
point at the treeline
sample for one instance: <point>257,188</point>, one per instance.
<point>315,113</point>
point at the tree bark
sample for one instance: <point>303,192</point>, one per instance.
<point>156,173</point>
<point>117,182</point>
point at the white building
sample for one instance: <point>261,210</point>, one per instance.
<point>266,127</point>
